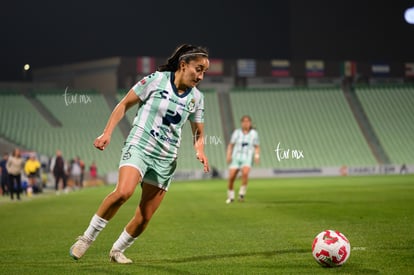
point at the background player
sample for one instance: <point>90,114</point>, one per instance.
<point>242,149</point>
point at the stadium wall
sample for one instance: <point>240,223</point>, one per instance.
<point>100,75</point>
<point>257,173</point>
<point>110,74</point>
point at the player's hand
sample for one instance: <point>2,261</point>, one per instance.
<point>257,159</point>
<point>102,141</point>
<point>203,159</point>
<point>228,159</point>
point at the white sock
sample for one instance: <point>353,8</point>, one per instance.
<point>95,226</point>
<point>242,190</point>
<point>124,241</point>
<point>230,194</point>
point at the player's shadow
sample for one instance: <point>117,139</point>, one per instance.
<point>172,269</point>
<point>235,255</point>
<point>176,270</point>
<point>282,202</point>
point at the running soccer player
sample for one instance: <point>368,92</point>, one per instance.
<point>241,151</point>
<point>166,99</point>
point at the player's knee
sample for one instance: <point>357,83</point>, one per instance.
<point>122,196</point>
<point>245,175</point>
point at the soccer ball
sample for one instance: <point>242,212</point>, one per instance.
<point>331,248</point>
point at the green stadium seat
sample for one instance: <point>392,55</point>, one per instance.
<point>390,111</point>
<point>317,121</point>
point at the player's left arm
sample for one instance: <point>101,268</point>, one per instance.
<point>257,154</point>
<point>256,150</point>
<point>198,142</point>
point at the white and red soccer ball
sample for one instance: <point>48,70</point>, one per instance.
<point>331,248</point>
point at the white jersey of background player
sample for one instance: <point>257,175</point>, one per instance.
<point>242,150</point>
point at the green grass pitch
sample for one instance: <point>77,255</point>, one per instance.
<point>195,232</point>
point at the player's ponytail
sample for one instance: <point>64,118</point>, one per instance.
<point>184,52</point>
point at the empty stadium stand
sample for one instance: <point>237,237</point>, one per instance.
<point>318,122</point>
<point>81,123</point>
<point>391,113</point>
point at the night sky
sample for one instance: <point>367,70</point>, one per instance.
<point>44,33</point>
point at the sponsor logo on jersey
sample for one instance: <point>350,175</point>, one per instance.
<point>163,137</point>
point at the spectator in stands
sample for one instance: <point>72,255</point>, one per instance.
<point>241,151</point>
<point>4,175</point>
<point>32,171</point>
<point>57,166</point>
<point>167,99</point>
<point>93,171</point>
<point>15,168</point>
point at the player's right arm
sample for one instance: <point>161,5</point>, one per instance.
<point>230,147</point>
<point>117,114</point>
<point>229,152</point>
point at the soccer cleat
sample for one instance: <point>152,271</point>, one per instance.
<point>228,201</point>
<point>241,198</point>
<point>118,257</point>
<point>79,248</point>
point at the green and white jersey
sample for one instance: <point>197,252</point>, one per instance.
<point>162,113</point>
<point>244,144</point>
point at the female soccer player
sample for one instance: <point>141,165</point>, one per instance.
<point>167,99</point>
<point>242,149</point>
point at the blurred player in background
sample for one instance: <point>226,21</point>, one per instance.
<point>166,100</point>
<point>242,150</point>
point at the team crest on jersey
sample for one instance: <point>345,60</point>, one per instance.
<point>191,105</point>
<point>126,156</point>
